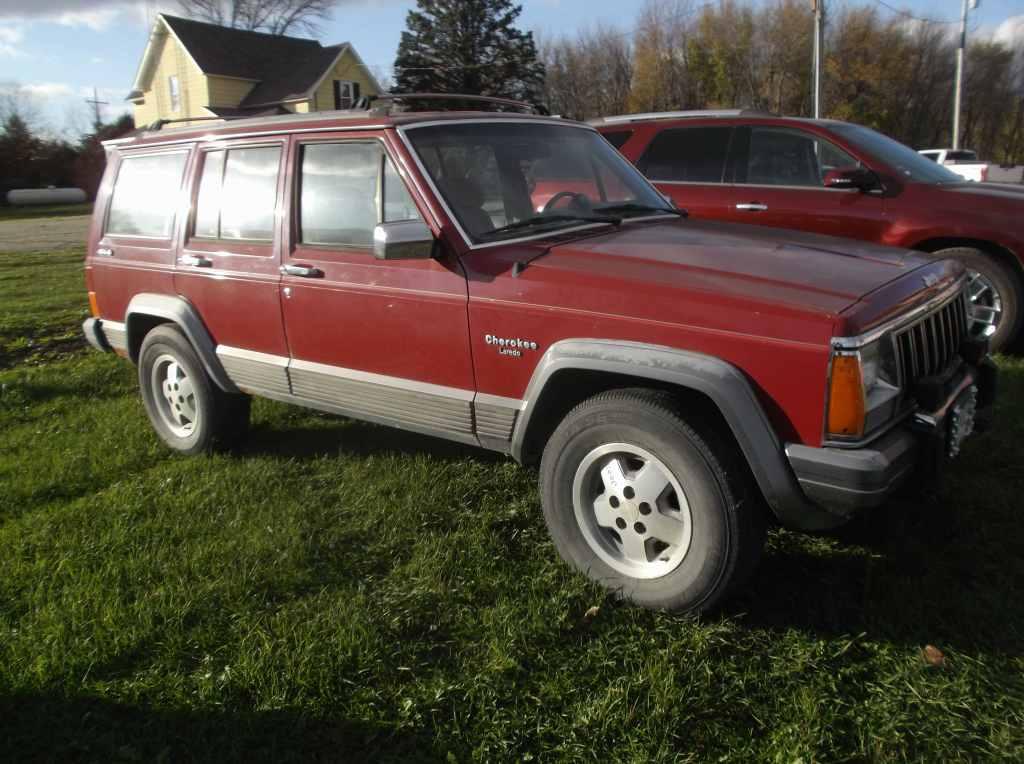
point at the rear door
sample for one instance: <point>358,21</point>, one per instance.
<point>688,165</point>
<point>228,263</point>
<point>383,340</point>
<point>778,177</point>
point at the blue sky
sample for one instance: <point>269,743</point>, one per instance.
<point>58,50</point>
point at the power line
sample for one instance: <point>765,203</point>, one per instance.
<point>912,17</point>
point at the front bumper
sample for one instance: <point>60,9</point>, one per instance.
<point>845,481</point>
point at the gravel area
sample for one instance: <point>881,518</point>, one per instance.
<point>43,233</point>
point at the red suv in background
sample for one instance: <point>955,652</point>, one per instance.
<point>839,179</point>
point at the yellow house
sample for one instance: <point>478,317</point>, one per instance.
<point>193,69</point>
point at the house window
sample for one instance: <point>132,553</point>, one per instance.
<point>172,84</point>
<point>346,93</point>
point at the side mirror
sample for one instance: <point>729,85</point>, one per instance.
<point>407,240</point>
<point>860,178</point>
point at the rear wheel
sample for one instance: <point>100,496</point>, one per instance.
<point>651,507</point>
<point>187,410</point>
<point>995,294</point>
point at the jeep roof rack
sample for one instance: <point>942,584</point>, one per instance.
<point>692,113</point>
<point>390,99</point>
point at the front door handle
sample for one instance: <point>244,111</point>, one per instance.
<point>752,207</point>
<point>196,261</point>
<point>306,271</point>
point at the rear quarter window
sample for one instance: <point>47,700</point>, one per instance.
<point>146,194</point>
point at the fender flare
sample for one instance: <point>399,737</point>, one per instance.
<point>726,385</point>
<point>181,313</point>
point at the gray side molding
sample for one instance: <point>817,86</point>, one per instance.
<point>722,382</point>
<point>180,312</point>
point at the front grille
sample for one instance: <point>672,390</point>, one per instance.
<point>929,345</point>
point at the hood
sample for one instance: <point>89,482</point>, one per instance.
<point>743,263</point>
<point>1002,191</point>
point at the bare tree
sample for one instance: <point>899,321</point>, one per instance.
<point>278,17</point>
<point>17,102</point>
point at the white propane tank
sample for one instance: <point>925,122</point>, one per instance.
<point>23,197</point>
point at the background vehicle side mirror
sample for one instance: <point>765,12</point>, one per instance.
<point>860,178</point>
<point>407,240</point>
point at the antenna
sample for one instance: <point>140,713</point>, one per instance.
<point>97,122</point>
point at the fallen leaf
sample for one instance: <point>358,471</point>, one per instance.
<point>933,656</point>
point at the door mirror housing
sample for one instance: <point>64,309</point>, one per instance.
<point>860,178</point>
<point>406,240</point>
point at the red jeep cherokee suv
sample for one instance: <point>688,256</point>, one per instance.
<point>510,281</point>
<point>839,179</point>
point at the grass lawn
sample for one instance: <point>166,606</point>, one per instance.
<point>44,211</point>
<point>343,591</point>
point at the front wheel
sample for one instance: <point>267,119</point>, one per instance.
<point>995,295</point>
<point>647,505</point>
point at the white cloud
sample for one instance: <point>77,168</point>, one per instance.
<point>9,39</point>
<point>48,89</point>
<point>1011,31</point>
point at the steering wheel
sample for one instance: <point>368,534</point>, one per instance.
<point>574,195</point>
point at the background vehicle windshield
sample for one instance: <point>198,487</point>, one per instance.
<point>537,177</point>
<point>903,159</point>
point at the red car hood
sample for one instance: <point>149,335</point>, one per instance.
<point>808,272</point>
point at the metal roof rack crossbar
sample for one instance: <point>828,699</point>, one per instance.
<point>369,102</point>
<point>694,113</point>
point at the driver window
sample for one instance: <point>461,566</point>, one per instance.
<point>791,158</point>
<point>470,179</point>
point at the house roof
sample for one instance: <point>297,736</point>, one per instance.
<point>283,68</point>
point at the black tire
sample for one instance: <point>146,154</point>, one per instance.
<point>728,523</point>
<point>207,418</point>
<point>1003,280</point>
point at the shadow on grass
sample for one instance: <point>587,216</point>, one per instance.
<point>48,727</point>
<point>904,575</point>
<point>334,436</point>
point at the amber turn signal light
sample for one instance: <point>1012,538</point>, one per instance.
<point>846,397</point>
<point>94,306</point>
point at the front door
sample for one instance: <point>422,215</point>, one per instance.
<point>382,340</point>
<point>779,174</point>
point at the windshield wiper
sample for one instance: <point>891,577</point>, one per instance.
<point>634,207</point>
<point>561,217</point>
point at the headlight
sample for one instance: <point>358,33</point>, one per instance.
<point>863,389</point>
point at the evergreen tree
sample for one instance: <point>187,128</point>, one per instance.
<point>468,46</point>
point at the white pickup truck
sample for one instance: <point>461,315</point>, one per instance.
<point>965,163</point>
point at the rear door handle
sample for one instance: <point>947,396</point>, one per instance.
<point>752,207</point>
<point>306,271</point>
<point>104,252</point>
<point>196,261</point>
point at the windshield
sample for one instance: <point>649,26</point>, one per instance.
<point>510,179</point>
<point>902,159</point>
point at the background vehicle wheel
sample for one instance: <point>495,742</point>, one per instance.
<point>187,410</point>
<point>995,294</point>
<point>647,505</point>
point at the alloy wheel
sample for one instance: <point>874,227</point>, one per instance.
<point>986,305</point>
<point>632,510</point>
<point>174,396</point>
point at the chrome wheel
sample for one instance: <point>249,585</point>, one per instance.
<point>632,510</point>
<point>986,305</point>
<point>174,396</point>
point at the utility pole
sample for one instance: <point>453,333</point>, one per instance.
<point>97,121</point>
<point>958,92</point>
<point>819,21</point>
